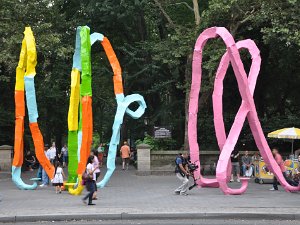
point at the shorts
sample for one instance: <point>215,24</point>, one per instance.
<point>235,168</point>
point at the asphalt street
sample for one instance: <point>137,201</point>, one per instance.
<point>132,197</point>
<point>167,222</point>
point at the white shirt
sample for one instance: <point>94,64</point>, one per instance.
<point>91,167</point>
<point>52,152</point>
<point>47,154</point>
<point>64,151</point>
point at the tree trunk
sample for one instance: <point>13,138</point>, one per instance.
<point>187,76</point>
<point>196,12</point>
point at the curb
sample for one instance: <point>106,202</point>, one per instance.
<point>151,216</point>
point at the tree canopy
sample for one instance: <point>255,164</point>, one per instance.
<point>154,42</point>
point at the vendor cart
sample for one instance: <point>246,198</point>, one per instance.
<point>263,175</point>
<point>261,172</point>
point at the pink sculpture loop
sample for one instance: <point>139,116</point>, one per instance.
<point>247,109</point>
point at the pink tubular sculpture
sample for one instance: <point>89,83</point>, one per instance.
<point>247,109</point>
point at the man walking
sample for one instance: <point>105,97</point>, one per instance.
<point>280,162</point>
<point>182,173</point>
<point>125,155</point>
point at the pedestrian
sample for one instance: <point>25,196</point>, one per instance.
<point>235,163</point>
<point>52,153</point>
<point>182,173</point>
<point>64,153</point>
<point>280,162</point>
<point>90,182</point>
<point>58,179</point>
<point>45,178</point>
<point>100,150</point>
<point>247,164</point>
<point>125,155</point>
<point>97,171</point>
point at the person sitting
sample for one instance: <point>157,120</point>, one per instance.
<point>30,160</point>
<point>247,165</point>
<point>255,158</point>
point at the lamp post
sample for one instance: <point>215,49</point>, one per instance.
<point>146,122</point>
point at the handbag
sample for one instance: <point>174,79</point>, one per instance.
<point>87,177</point>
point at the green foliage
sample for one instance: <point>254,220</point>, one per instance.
<point>156,62</point>
<point>157,144</point>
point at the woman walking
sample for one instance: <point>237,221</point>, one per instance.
<point>90,181</point>
<point>97,171</point>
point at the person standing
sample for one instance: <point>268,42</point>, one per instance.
<point>52,153</point>
<point>182,173</point>
<point>100,150</point>
<point>125,155</point>
<point>246,163</point>
<point>64,153</point>
<point>58,179</point>
<point>90,182</point>
<point>280,162</point>
<point>235,165</point>
<point>45,178</point>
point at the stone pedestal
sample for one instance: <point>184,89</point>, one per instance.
<point>5,157</point>
<point>143,160</point>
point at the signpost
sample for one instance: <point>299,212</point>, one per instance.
<point>162,133</point>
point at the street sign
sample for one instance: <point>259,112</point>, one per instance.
<point>162,133</point>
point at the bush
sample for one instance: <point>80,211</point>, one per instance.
<point>158,144</point>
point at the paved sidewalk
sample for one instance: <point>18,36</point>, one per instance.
<point>128,196</point>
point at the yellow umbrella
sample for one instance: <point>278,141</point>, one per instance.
<point>286,133</point>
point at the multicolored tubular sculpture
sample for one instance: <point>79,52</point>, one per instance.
<point>122,108</point>
<point>82,59</point>
<point>247,109</point>
<point>74,134</point>
<point>25,73</point>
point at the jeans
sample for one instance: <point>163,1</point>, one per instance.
<point>39,173</point>
<point>185,183</point>
<point>45,178</point>
<point>290,182</point>
<point>90,186</point>
<point>244,169</point>
<point>65,159</point>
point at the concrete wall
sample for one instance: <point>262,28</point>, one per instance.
<point>163,162</point>
<point>5,157</point>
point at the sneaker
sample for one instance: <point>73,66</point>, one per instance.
<point>231,180</point>
<point>273,189</point>
<point>177,192</point>
<point>84,201</point>
<point>91,204</point>
<point>43,185</point>
<point>238,180</point>
<point>184,194</point>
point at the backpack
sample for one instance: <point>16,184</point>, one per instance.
<point>177,168</point>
